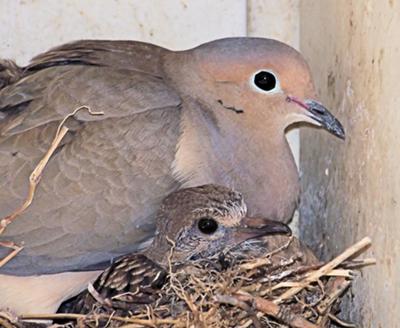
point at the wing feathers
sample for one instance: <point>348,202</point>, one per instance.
<point>130,281</point>
<point>116,77</point>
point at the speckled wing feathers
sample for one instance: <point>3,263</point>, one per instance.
<point>129,282</point>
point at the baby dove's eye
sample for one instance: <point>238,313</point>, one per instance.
<point>266,81</point>
<point>207,225</point>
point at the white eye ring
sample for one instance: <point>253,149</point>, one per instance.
<point>265,81</point>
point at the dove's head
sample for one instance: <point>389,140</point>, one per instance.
<point>203,221</point>
<point>262,82</point>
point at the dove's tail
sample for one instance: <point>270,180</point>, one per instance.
<point>10,72</point>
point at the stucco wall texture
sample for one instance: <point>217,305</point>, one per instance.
<point>351,189</point>
<point>28,27</point>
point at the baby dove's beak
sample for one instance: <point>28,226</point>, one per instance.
<point>252,228</point>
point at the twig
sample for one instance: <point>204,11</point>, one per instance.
<point>304,283</point>
<point>34,180</point>
<point>265,260</point>
<point>281,248</point>
<point>72,316</point>
<point>340,273</point>
<point>341,322</point>
<point>255,264</point>
<point>15,250</point>
<point>352,264</point>
<point>269,308</point>
<point>179,290</point>
<point>234,301</point>
<point>334,290</point>
<point>313,276</point>
<point>287,273</point>
<point>36,174</point>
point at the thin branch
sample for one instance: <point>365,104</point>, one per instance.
<point>341,322</point>
<point>72,316</point>
<point>324,270</point>
<point>234,301</point>
<point>34,180</point>
<point>15,250</point>
<point>267,307</point>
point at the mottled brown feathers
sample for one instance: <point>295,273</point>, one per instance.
<point>129,282</point>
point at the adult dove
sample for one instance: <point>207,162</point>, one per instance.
<point>213,114</point>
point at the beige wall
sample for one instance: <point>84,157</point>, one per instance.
<point>28,27</point>
<point>352,188</point>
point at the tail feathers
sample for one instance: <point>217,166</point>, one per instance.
<point>10,72</point>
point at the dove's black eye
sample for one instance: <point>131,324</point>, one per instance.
<point>207,225</point>
<point>265,80</point>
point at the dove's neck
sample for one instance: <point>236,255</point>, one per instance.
<point>157,253</point>
<point>258,163</point>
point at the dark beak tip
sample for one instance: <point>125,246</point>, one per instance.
<point>327,120</point>
<point>340,133</point>
<point>287,231</point>
<point>278,228</point>
<point>260,228</point>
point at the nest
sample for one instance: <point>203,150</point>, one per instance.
<point>286,287</point>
